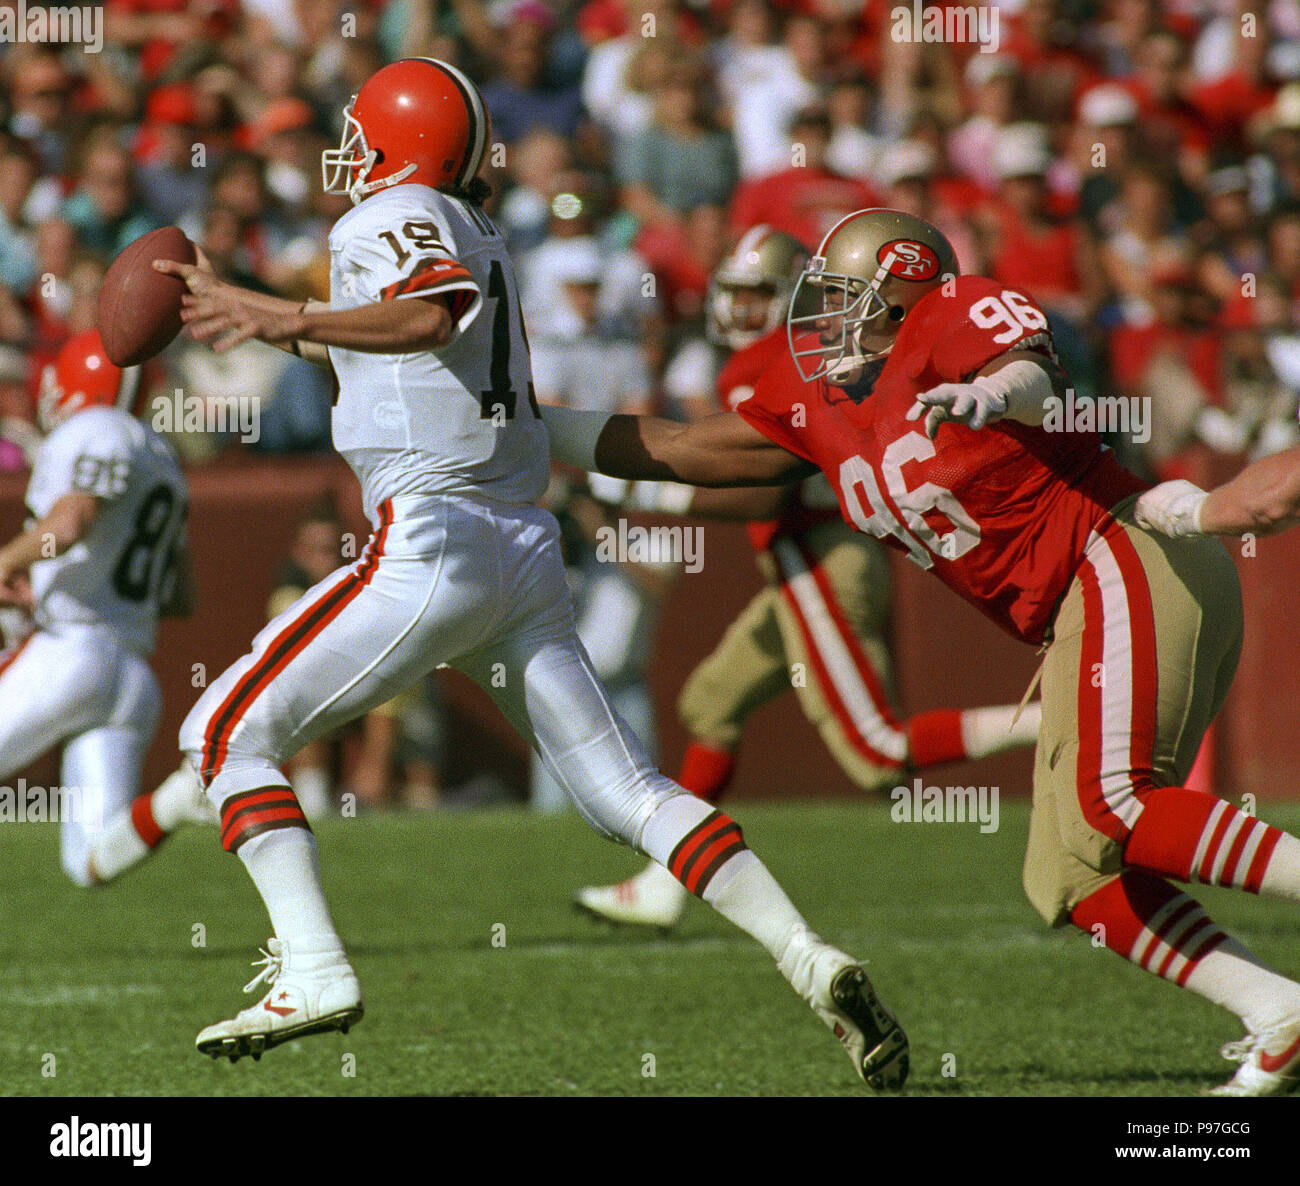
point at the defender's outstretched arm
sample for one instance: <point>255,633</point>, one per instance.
<point>1263,499</point>
<point>721,450</point>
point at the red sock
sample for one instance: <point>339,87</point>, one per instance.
<point>145,825</point>
<point>706,771</point>
<point>935,737</point>
<point>1148,921</point>
<point>1198,837</point>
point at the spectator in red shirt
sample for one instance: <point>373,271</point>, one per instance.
<point>1171,128</point>
<point>1029,249</point>
<point>992,82</point>
<point>909,173</point>
<point>808,198</point>
<point>1227,104</point>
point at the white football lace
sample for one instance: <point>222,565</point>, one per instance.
<point>271,966</point>
<point>1241,1049</point>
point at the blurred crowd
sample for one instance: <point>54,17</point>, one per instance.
<point>1133,164</point>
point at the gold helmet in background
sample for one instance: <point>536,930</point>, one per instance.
<point>868,273</point>
<point>766,261</point>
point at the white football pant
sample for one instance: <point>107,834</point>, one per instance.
<point>83,688</point>
<point>463,581</point>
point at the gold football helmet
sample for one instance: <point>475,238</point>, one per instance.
<point>749,293</point>
<point>869,271</point>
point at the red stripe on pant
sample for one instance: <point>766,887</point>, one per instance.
<point>7,660</point>
<point>286,646</point>
<point>1097,683</point>
<point>861,663</point>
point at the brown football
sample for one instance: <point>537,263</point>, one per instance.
<point>139,309</point>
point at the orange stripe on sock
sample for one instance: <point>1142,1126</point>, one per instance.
<point>142,820</point>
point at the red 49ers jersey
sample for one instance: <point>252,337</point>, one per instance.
<point>808,503</point>
<point>1001,514</point>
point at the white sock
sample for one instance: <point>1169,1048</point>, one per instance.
<point>117,847</point>
<point>284,866</point>
<point>989,730</point>
<point>742,890</point>
<point>1232,977</point>
<point>748,895</point>
<point>312,786</point>
<point>172,801</point>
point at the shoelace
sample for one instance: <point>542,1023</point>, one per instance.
<point>271,966</point>
<point>1241,1049</point>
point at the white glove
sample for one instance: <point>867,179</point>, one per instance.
<point>976,404</point>
<point>1172,508</point>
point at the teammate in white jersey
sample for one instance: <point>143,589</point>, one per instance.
<point>101,558</point>
<point>436,415</point>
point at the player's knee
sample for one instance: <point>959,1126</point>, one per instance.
<point>1047,895</point>
<point>875,779</point>
<point>193,727</point>
<point>699,709</point>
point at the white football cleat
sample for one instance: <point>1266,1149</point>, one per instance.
<point>653,898</point>
<point>840,994</point>
<point>313,989</point>
<point>1270,1062</point>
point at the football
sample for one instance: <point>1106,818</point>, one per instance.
<point>139,311</point>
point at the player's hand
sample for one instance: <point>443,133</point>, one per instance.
<point>223,320</point>
<point>1172,508</point>
<point>973,404</point>
<point>199,277</point>
<point>15,588</point>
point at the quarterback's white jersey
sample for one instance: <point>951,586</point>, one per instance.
<point>117,575</point>
<point>462,419</point>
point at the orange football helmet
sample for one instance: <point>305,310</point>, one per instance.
<point>419,121</point>
<point>80,377</point>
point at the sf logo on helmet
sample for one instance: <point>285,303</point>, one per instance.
<point>908,260</point>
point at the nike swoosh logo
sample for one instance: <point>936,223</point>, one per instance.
<point>283,1012</point>
<point>1272,1063</point>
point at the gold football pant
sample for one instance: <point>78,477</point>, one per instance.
<point>817,625</point>
<point>1143,650</point>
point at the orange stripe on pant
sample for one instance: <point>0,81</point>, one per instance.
<point>285,647</point>
<point>7,660</point>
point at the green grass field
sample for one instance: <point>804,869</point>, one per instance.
<point>113,986</point>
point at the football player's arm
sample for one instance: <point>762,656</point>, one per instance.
<point>721,450</point>
<point>226,315</point>
<point>732,504</point>
<point>1263,499</point>
<point>67,521</point>
<point>1018,385</point>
